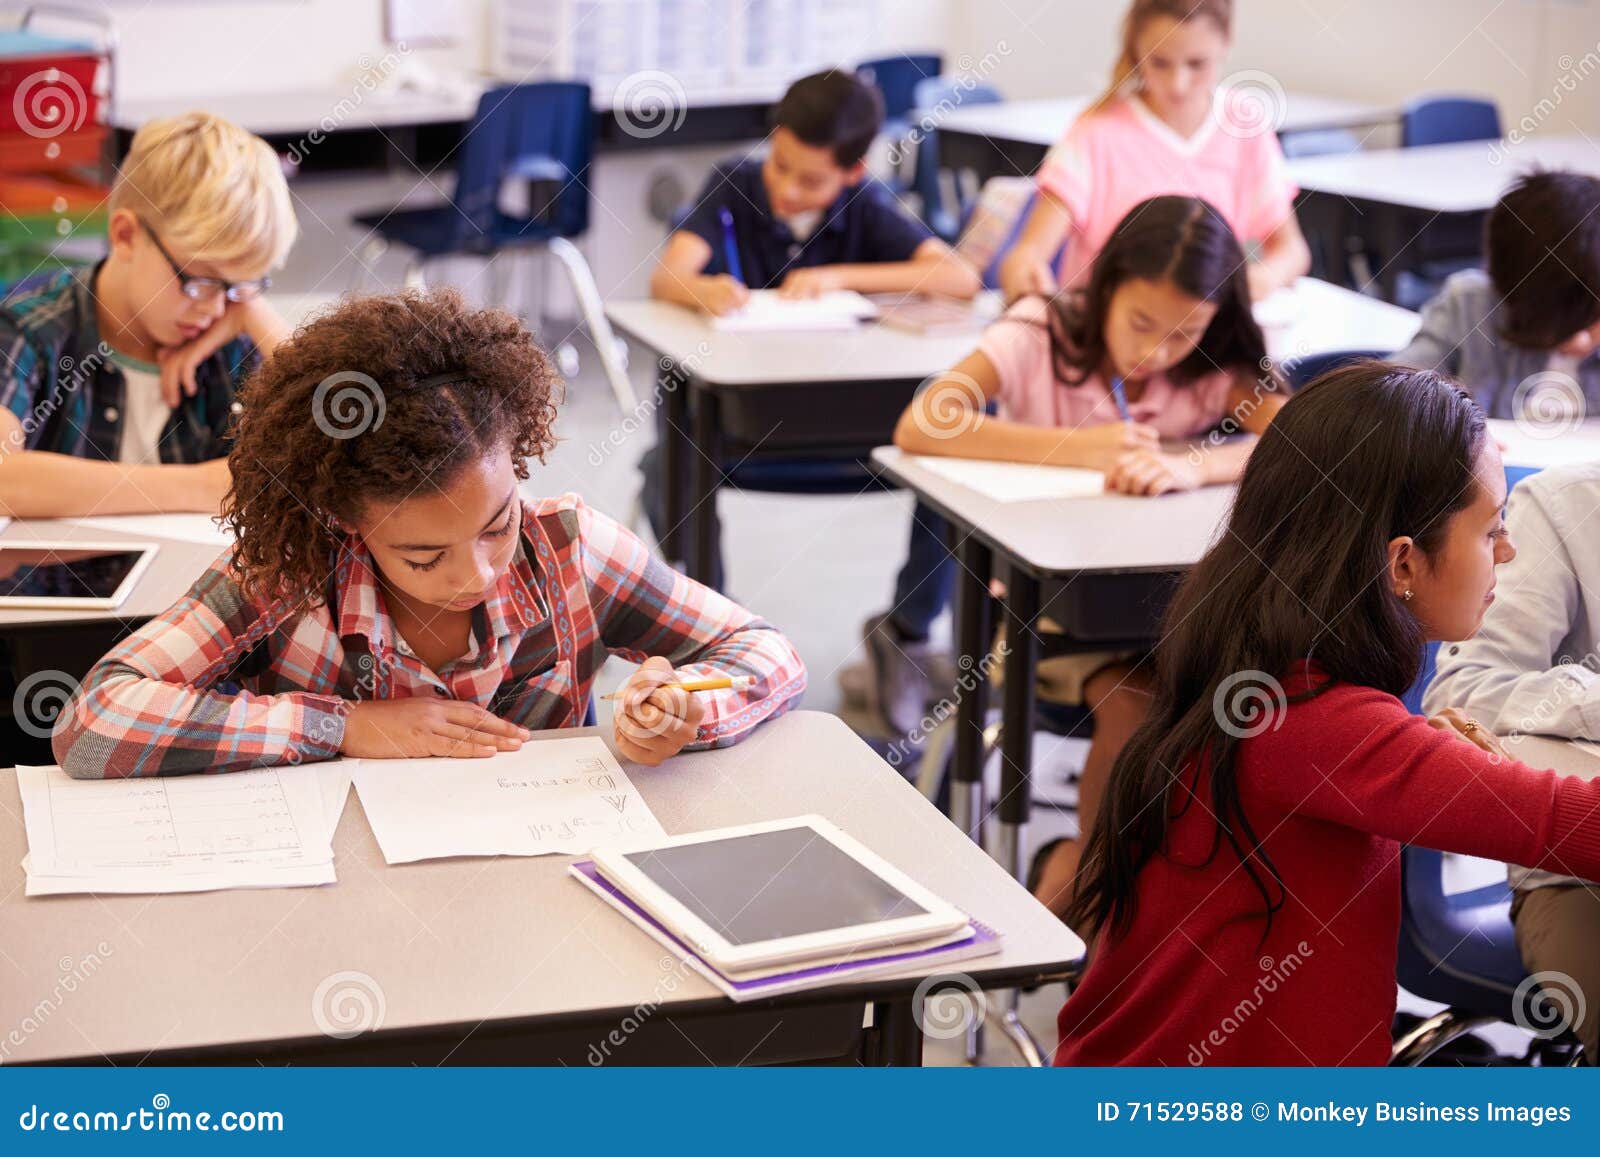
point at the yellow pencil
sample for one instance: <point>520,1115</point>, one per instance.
<point>713,683</point>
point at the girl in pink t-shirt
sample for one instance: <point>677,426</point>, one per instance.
<point>1164,126</point>
<point>1166,316</point>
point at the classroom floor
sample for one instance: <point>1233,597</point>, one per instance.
<point>814,566</point>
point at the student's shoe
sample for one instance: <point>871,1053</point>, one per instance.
<point>899,682</point>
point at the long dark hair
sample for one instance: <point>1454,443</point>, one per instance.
<point>1366,453</point>
<point>1182,240</point>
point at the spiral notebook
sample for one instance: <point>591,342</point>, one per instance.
<point>980,940</point>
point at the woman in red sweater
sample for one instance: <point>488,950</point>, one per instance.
<point>1247,903</point>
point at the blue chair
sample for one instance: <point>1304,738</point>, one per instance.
<point>1458,950</point>
<point>1446,246</point>
<point>1446,120</point>
<point>896,79</point>
<point>542,134</point>
<point>1300,371</point>
<point>944,214</point>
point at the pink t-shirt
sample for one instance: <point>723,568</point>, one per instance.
<point>1018,346</point>
<point>1112,159</point>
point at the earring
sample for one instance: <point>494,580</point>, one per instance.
<point>1406,594</point>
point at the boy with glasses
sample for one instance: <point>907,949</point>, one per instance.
<point>117,382</point>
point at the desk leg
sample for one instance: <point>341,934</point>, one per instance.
<point>974,635</point>
<point>672,388</point>
<point>1016,726</point>
<point>705,472</point>
<point>895,1037</point>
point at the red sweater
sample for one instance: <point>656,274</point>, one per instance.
<point>1332,793</point>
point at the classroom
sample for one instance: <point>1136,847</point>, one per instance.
<point>802,533</point>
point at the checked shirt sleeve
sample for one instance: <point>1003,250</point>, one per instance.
<point>643,607</point>
<point>169,699</point>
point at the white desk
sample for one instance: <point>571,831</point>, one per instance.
<point>721,358</point>
<point>835,394</point>
<point>502,960</point>
<point>1325,318</point>
<point>173,570</point>
<point>1459,178</point>
<point>1044,122</point>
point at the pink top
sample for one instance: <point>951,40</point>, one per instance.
<point>1018,346</point>
<point>1112,159</point>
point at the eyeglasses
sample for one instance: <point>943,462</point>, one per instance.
<point>208,289</point>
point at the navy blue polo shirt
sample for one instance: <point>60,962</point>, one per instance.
<point>864,224</point>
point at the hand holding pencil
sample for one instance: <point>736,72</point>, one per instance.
<point>657,714</point>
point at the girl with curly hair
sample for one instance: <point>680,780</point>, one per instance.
<point>392,593</point>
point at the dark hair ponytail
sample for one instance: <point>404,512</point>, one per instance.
<point>1364,454</point>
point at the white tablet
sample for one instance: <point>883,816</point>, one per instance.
<point>771,893</point>
<point>64,575</point>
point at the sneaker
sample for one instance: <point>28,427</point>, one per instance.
<point>898,682</point>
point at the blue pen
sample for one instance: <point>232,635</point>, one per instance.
<point>1121,399</point>
<point>730,247</point>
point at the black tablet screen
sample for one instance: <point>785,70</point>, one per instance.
<point>62,573</point>
<point>772,885</point>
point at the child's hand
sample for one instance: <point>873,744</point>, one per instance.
<point>179,363</point>
<point>653,723</point>
<point>1453,721</point>
<point>811,282</point>
<point>722,293</point>
<point>421,726</point>
<point>1100,447</point>
<point>1024,271</point>
<point>1151,472</point>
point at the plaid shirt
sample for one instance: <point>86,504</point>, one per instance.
<point>223,683</point>
<point>57,377</point>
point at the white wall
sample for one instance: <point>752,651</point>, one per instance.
<point>1381,50</point>
<point>198,48</point>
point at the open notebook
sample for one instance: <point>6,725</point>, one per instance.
<point>767,312</point>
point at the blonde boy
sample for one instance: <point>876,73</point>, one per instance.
<point>117,383</point>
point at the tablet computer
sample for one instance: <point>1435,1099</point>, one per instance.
<point>772,893</point>
<point>65,575</point>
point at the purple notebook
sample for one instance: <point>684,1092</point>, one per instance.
<point>983,942</point>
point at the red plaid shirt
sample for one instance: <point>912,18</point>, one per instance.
<point>221,682</point>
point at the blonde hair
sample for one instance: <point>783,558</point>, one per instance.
<point>213,192</point>
<point>1140,13</point>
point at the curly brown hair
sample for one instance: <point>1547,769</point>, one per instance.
<point>382,397</point>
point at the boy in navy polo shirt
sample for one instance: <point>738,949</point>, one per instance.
<point>806,219</point>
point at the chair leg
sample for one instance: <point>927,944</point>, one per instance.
<point>415,278</point>
<point>935,759</point>
<point>499,280</point>
<point>372,251</point>
<point>594,316</point>
<point>1432,1035</point>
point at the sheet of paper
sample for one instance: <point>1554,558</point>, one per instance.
<point>556,795</point>
<point>766,311</point>
<point>1015,482</point>
<point>266,828</point>
<point>200,528</point>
